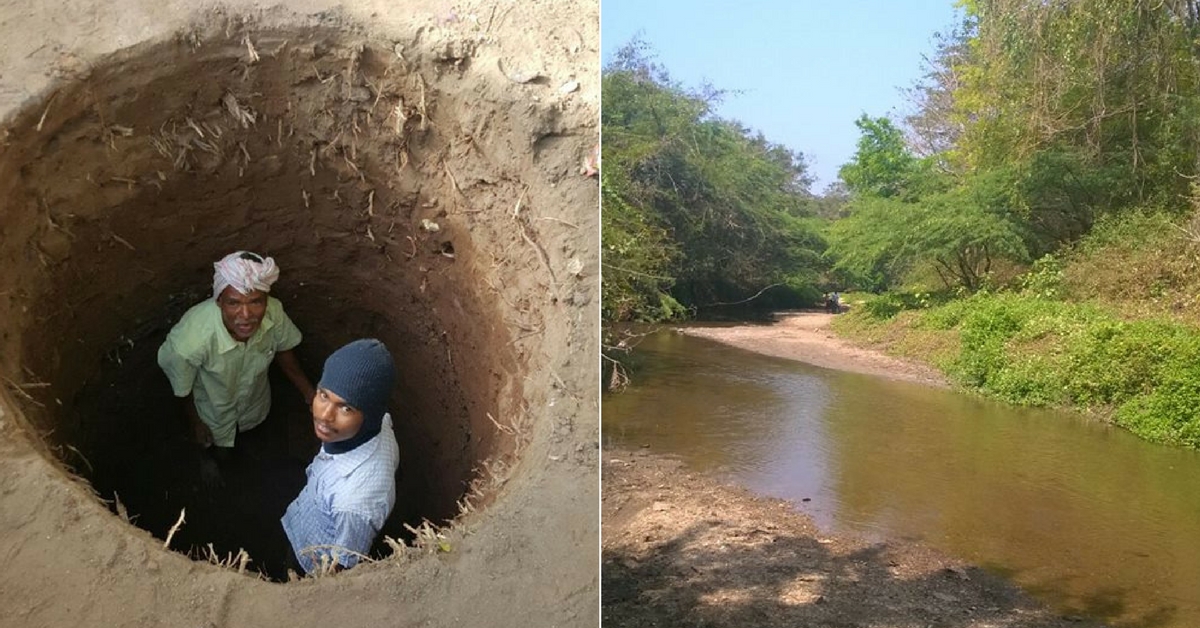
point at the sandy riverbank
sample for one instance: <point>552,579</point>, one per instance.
<point>805,336</point>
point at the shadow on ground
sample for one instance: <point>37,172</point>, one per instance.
<point>797,581</point>
<point>682,550</point>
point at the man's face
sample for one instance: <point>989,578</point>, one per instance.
<point>242,313</point>
<point>334,420</point>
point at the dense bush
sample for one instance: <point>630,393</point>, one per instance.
<point>1169,414</point>
<point>887,305</point>
<point>1030,350</point>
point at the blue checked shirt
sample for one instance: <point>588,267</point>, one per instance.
<point>344,504</point>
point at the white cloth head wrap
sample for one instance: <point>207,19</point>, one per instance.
<point>245,275</point>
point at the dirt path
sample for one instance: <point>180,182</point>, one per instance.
<point>806,337</point>
<point>684,549</point>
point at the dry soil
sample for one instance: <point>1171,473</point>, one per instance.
<point>806,336</point>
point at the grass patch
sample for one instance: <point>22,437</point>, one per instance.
<point>1030,350</point>
<point>903,335</point>
<point>1141,265</point>
<point>1111,327</point>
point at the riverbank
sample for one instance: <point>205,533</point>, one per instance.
<point>806,336</point>
<point>682,548</point>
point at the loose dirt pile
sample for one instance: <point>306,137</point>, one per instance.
<point>416,172</point>
<point>682,550</point>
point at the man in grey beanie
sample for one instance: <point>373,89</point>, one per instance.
<point>351,485</point>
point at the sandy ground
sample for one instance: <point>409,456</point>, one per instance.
<point>805,336</point>
<point>490,107</point>
<point>681,549</point>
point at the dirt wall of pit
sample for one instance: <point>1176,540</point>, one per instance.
<point>498,299</point>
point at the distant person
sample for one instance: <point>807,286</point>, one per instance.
<point>351,485</point>
<point>834,304</point>
<point>218,354</point>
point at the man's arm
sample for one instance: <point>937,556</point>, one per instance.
<point>200,432</point>
<point>182,373</point>
<point>210,472</point>
<point>291,368</point>
<point>352,538</point>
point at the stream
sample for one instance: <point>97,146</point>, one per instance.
<point>1083,515</point>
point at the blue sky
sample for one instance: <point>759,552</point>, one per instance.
<point>806,69</point>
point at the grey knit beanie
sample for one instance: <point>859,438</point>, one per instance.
<point>362,373</point>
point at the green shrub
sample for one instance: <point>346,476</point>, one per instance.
<point>1112,361</point>
<point>883,307</point>
<point>888,305</point>
<point>1132,229</point>
<point>1169,414</point>
<point>1169,411</point>
<point>1029,349</point>
<point>984,333</point>
<point>948,316</point>
<point>1030,382</point>
<point>1044,280</point>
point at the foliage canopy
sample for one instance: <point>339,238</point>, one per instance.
<point>698,210</point>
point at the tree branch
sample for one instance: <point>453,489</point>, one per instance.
<point>758,294</point>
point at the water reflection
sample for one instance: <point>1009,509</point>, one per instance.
<point>1086,516</point>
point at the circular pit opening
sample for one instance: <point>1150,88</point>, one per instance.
<point>372,172</point>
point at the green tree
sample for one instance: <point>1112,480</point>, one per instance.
<point>960,233</point>
<point>637,255</point>
<point>1095,102</point>
<point>727,212</point>
<point>936,124</point>
<point>882,166</point>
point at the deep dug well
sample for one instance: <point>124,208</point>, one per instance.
<point>415,171</point>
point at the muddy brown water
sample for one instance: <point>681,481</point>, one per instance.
<point>1086,517</point>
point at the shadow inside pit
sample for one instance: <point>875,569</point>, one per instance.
<point>796,581</point>
<point>128,436</point>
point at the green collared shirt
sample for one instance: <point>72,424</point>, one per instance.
<point>227,378</point>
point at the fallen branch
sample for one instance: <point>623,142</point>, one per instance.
<point>634,272</point>
<point>174,529</point>
<point>250,51</point>
<point>542,256</point>
<point>619,378</point>
<point>42,120</point>
<point>124,242</point>
<point>21,391</point>
<point>502,428</point>
<point>454,182</point>
<point>559,220</point>
<point>758,294</point>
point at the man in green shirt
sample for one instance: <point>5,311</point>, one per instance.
<point>218,354</point>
